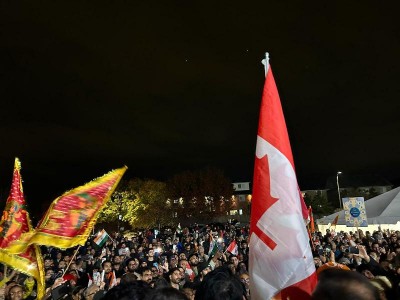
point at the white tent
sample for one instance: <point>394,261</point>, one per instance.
<point>382,210</point>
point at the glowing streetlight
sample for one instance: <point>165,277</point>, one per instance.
<point>338,188</point>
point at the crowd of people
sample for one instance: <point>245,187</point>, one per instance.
<point>168,261</point>
<point>193,263</point>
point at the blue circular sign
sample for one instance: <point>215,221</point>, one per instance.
<point>355,212</point>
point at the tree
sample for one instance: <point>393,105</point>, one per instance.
<point>154,210</point>
<point>320,204</point>
<point>141,203</point>
<point>200,195</point>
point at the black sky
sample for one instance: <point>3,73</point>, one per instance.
<point>166,86</point>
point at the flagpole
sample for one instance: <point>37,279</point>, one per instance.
<point>265,62</point>
<point>70,261</point>
<point>111,239</point>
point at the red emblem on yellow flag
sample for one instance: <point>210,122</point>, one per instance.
<point>70,218</point>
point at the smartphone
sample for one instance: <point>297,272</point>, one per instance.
<point>96,278</point>
<point>353,250</point>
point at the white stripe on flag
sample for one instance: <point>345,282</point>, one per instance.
<point>100,237</point>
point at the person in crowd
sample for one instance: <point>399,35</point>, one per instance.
<point>146,275</point>
<point>345,285</point>
<point>109,277</point>
<point>175,278</point>
<point>220,284</point>
<point>166,293</point>
<point>245,279</point>
<point>136,290</point>
<point>132,266</point>
<point>376,254</point>
<point>194,262</point>
<point>16,292</point>
<point>203,257</point>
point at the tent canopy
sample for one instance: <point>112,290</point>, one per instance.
<point>381,210</point>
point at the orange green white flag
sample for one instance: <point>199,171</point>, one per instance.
<point>14,223</point>
<point>70,218</point>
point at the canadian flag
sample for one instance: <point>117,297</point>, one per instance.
<point>233,248</point>
<point>280,262</point>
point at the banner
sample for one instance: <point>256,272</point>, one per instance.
<point>354,212</point>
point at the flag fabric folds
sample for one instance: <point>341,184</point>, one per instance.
<point>101,238</point>
<point>213,246</point>
<point>280,262</point>
<point>334,222</point>
<point>15,221</point>
<point>233,248</point>
<point>312,223</point>
<point>70,218</point>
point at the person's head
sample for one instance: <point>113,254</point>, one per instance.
<point>117,259</point>
<point>189,293</point>
<point>245,279</point>
<point>48,262</point>
<point>234,260</point>
<point>154,271</point>
<point>374,255</point>
<point>143,264</point>
<point>137,290</point>
<point>220,284</point>
<point>175,276</point>
<point>132,265</point>
<point>194,260</point>
<point>375,247</point>
<point>146,274</point>
<point>204,268</point>
<point>128,278</point>
<point>182,271</point>
<point>336,284</point>
<point>116,266</point>
<point>49,275</point>
<point>150,253</point>
<point>166,293</point>
<point>107,266</point>
<point>173,261</point>
<point>67,257</point>
<point>16,292</point>
<point>62,265</point>
<point>73,266</point>
<point>183,263</point>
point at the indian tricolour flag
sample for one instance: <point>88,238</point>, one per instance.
<point>101,238</point>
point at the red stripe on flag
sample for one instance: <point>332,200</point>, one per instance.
<point>265,238</point>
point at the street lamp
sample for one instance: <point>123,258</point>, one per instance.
<point>338,188</point>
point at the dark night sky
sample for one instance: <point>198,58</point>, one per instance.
<point>166,86</point>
